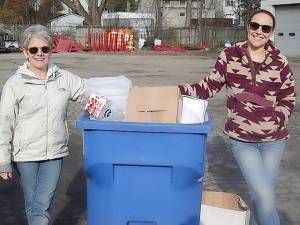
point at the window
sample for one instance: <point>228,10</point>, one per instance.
<point>292,34</point>
<point>280,34</point>
<point>182,2</point>
<point>182,14</point>
<point>229,3</point>
<point>167,2</point>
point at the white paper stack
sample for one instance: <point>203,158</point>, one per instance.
<point>193,110</point>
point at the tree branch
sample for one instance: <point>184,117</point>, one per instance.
<point>76,6</point>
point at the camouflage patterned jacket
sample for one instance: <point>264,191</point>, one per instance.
<point>260,99</point>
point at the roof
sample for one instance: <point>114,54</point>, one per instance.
<point>66,15</point>
<point>129,15</point>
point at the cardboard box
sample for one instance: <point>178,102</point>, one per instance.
<point>220,208</point>
<point>154,104</point>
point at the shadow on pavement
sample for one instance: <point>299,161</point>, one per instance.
<point>284,218</point>
<point>74,210</point>
<point>12,202</point>
<point>69,207</point>
<point>222,168</point>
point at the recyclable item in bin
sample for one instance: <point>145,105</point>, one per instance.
<point>223,208</point>
<point>113,88</point>
<point>154,104</point>
<point>96,106</point>
<point>101,108</point>
<point>112,113</point>
<point>193,110</point>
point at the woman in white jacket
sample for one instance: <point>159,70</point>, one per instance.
<point>33,126</point>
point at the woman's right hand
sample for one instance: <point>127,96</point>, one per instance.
<point>6,175</point>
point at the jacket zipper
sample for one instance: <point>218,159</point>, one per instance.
<point>252,68</point>
<point>46,99</point>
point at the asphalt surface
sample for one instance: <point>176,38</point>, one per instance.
<point>152,69</point>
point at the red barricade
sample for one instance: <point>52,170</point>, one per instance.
<point>168,48</point>
<point>74,46</point>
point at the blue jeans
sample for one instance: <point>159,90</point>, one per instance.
<point>39,181</point>
<point>259,163</point>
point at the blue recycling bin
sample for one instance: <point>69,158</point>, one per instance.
<point>143,173</point>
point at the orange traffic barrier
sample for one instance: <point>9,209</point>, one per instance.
<point>113,40</point>
<point>120,40</point>
<point>129,46</point>
<point>87,45</point>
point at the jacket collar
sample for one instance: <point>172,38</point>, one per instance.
<point>272,51</point>
<point>29,77</point>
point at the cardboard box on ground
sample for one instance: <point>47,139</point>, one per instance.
<point>154,104</point>
<point>220,208</point>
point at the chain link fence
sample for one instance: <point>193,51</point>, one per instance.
<point>213,37</point>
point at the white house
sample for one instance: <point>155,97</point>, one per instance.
<point>287,30</point>
<point>174,11</point>
<point>65,22</point>
<point>228,9</point>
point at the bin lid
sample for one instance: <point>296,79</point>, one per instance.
<point>85,123</point>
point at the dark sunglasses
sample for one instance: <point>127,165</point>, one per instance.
<point>34,50</point>
<point>265,28</point>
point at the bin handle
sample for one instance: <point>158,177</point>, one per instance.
<point>141,223</point>
<point>200,180</point>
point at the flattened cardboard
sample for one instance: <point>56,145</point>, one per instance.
<point>154,104</point>
<point>223,209</point>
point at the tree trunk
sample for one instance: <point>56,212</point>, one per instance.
<point>188,13</point>
<point>94,13</point>
<point>127,6</point>
<point>200,7</point>
<point>158,25</point>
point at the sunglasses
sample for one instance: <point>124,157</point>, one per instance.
<point>34,50</point>
<point>265,28</point>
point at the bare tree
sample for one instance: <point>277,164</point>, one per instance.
<point>92,15</point>
<point>244,8</point>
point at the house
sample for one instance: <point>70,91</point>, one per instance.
<point>228,10</point>
<point>287,30</point>
<point>174,11</point>
<point>66,22</point>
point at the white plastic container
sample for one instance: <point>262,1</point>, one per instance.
<point>157,42</point>
<point>141,42</point>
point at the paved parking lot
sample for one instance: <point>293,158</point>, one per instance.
<point>151,69</point>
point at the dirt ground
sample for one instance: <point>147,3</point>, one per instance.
<point>153,69</point>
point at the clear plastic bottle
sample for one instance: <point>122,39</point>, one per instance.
<point>113,113</point>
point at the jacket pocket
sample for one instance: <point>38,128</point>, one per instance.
<point>260,121</point>
<point>59,139</point>
<point>17,141</point>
